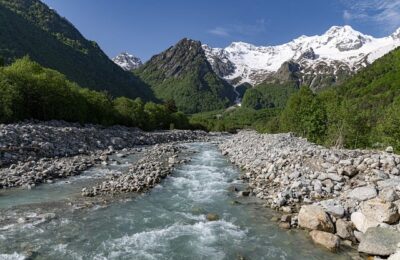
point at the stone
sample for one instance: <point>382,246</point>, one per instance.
<point>315,218</point>
<point>284,225</point>
<point>362,223</point>
<point>379,241</point>
<point>389,149</point>
<point>286,218</point>
<point>344,229</point>
<point>395,256</point>
<point>362,193</point>
<point>212,217</point>
<point>327,240</point>
<point>244,193</point>
<point>388,195</point>
<point>333,208</point>
<point>358,235</point>
<point>380,211</point>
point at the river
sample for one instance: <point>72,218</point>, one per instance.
<point>167,223</point>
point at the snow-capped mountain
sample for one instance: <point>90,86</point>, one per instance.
<point>127,61</point>
<point>316,60</point>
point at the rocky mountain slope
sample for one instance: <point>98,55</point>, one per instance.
<point>318,61</point>
<point>29,27</point>
<point>182,73</point>
<point>127,61</point>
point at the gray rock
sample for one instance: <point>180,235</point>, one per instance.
<point>362,193</point>
<point>333,208</point>
<point>388,195</point>
<point>379,241</point>
<point>344,229</point>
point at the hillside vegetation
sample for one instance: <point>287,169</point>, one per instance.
<point>29,27</point>
<point>182,73</point>
<point>29,91</point>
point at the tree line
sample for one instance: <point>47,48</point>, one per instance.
<point>30,91</point>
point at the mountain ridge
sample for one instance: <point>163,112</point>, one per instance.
<point>183,74</point>
<point>338,53</point>
<point>30,27</point>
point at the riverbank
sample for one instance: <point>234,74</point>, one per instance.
<point>32,153</point>
<point>170,222</point>
<point>348,197</point>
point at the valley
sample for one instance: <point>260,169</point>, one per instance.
<point>284,149</point>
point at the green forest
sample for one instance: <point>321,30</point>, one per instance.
<point>30,91</point>
<point>29,27</point>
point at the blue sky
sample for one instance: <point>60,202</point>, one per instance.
<point>147,27</point>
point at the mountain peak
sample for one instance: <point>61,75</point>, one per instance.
<point>127,61</point>
<point>335,29</point>
<point>339,48</point>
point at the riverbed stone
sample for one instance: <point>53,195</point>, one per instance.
<point>379,241</point>
<point>362,193</point>
<point>388,195</point>
<point>344,229</point>
<point>363,223</point>
<point>325,239</point>
<point>333,208</point>
<point>315,218</point>
<point>380,211</point>
<point>212,217</point>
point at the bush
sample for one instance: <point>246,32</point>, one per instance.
<point>305,115</point>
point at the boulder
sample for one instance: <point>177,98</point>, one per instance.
<point>344,229</point>
<point>362,223</point>
<point>333,208</point>
<point>380,211</point>
<point>327,240</point>
<point>315,218</point>
<point>362,193</point>
<point>379,241</point>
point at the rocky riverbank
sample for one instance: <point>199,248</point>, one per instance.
<point>32,153</point>
<point>348,197</point>
<point>156,164</point>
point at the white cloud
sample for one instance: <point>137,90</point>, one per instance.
<point>384,13</point>
<point>220,31</point>
<point>240,29</point>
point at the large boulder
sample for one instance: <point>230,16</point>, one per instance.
<point>315,218</point>
<point>328,240</point>
<point>379,241</point>
<point>362,193</point>
<point>362,223</point>
<point>380,211</point>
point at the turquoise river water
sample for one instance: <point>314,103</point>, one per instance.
<point>167,223</point>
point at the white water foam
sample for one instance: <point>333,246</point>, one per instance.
<point>153,244</point>
<point>14,256</point>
